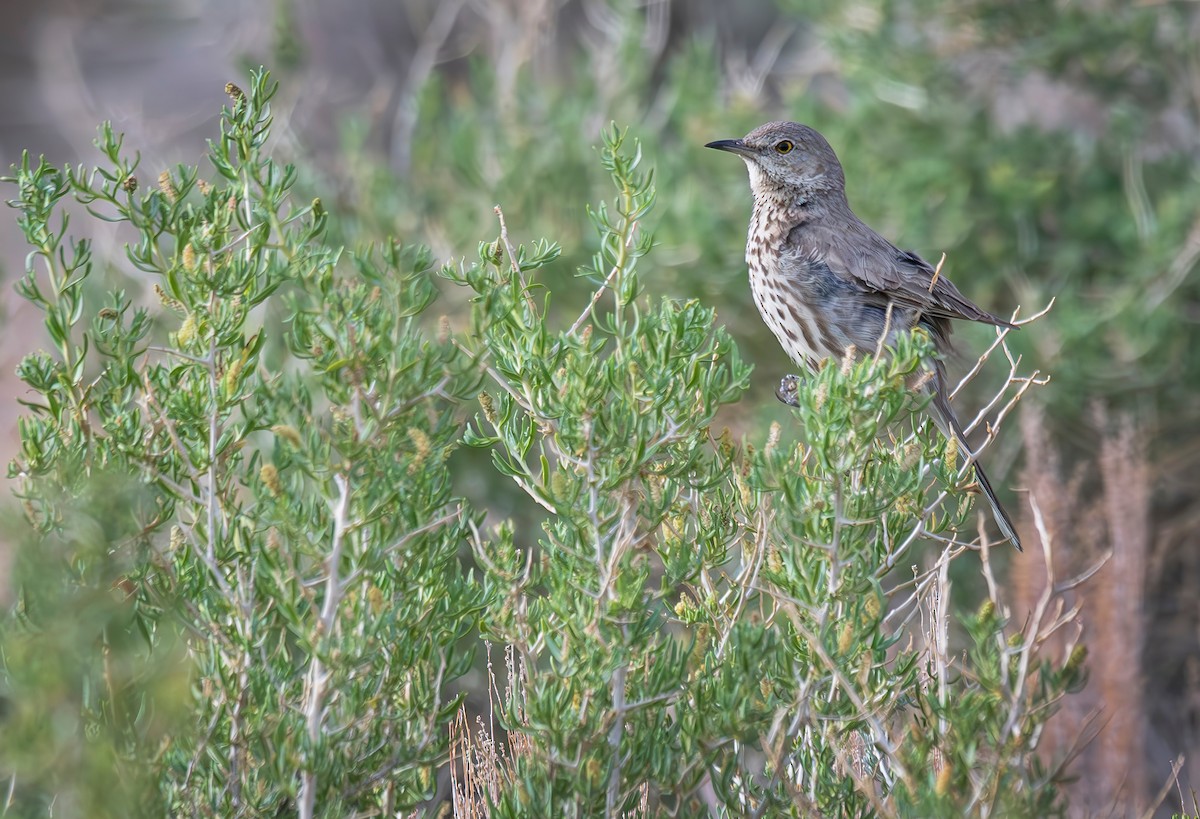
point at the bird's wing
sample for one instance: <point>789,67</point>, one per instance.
<point>917,281</point>
<point>862,257</point>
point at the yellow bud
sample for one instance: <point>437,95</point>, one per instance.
<point>443,335</point>
<point>952,452</point>
<point>772,437</point>
<point>655,484</point>
<point>229,382</point>
<point>872,607</point>
<point>489,409</point>
<point>774,562</point>
<point>1078,658</point>
<point>375,599</point>
<point>165,299</point>
<point>287,433</point>
<point>845,639</point>
<point>943,780</point>
<point>822,395</point>
<point>235,93</point>
<point>864,670</point>
<point>269,475</point>
<point>186,331</point>
<point>167,186</point>
<point>848,359</point>
<point>421,445</point>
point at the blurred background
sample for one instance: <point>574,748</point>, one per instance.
<point>1049,148</point>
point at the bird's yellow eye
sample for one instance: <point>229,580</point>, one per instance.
<point>784,146</point>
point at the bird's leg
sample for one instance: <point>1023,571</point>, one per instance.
<point>789,387</point>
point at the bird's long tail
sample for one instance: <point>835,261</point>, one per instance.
<point>948,422</point>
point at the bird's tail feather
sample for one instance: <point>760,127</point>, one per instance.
<point>948,422</point>
<point>1002,519</point>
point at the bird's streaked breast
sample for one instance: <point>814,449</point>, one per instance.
<point>788,299</point>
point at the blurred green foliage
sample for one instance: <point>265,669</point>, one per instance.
<point>95,681</point>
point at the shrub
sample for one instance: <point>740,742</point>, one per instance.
<point>249,586</point>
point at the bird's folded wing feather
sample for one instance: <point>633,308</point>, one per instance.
<point>874,264</point>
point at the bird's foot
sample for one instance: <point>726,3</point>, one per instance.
<point>788,392</point>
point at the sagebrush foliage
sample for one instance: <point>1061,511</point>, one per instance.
<point>249,588</point>
<point>298,524</point>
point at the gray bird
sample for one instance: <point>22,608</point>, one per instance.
<point>823,280</point>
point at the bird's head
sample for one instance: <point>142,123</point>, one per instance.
<point>787,159</point>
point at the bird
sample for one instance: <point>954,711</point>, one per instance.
<point>827,284</point>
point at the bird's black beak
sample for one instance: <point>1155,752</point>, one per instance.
<point>734,146</point>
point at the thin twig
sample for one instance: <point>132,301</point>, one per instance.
<point>512,260</point>
<point>612,274</point>
<point>318,677</point>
